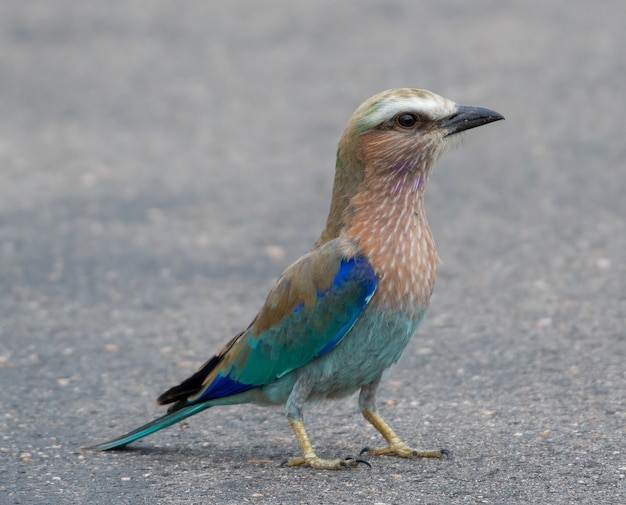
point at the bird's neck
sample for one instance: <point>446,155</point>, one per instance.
<point>386,219</point>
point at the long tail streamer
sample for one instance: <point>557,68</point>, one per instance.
<point>151,427</point>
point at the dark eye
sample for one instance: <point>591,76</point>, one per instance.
<point>406,120</point>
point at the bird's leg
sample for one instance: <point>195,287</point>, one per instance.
<point>298,396</point>
<point>308,453</point>
<point>367,404</point>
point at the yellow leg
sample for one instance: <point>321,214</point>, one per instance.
<point>308,453</point>
<point>395,445</point>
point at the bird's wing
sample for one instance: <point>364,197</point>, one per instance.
<point>312,306</point>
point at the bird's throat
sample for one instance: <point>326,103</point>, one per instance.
<point>388,222</point>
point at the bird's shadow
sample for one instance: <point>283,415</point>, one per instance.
<point>218,455</point>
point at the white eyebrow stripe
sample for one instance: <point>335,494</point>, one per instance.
<point>429,106</point>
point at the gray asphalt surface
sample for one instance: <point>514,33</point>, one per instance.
<point>161,162</point>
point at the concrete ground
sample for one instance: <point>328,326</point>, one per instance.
<point>161,162</point>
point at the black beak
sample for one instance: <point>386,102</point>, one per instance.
<point>467,117</point>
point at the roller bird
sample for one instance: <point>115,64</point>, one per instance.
<point>343,313</point>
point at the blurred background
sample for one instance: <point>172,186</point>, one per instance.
<point>161,163</point>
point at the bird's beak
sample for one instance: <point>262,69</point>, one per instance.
<point>467,117</point>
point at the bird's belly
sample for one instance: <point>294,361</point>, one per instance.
<point>375,342</point>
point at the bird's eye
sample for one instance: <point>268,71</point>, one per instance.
<point>406,120</point>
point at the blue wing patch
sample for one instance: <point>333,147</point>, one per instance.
<point>351,271</point>
<point>225,386</point>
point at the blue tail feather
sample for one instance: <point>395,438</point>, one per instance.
<point>151,427</point>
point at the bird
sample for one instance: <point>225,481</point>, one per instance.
<point>343,313</point>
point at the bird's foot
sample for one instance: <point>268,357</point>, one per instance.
<point>399,448</point>
<point>395,445</point>
<point>326,464</point>
<point>309,458</point>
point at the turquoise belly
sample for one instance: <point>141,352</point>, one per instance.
<point>375,342</point>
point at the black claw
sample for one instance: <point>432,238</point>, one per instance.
<point>364,450</point>
<point>358,460</point>
<point>364,462</point>
<point>283,463</point>
<point>446,453</point>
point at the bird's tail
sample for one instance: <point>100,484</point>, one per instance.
<point>151,427</point>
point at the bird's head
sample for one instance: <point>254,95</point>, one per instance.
<point>406,129</point>
<point>396,135</point>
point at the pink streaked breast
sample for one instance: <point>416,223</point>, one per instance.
<point>391,229</point>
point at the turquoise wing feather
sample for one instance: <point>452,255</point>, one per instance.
<point>309,330</point>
